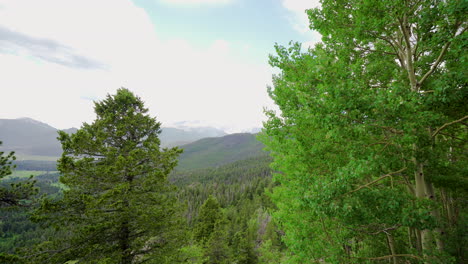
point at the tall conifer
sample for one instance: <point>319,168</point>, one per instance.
<point>117,206</point>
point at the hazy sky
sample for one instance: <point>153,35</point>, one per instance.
<point>203,62</point>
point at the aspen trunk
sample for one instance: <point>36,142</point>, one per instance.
<point>418,240</point>
<point>435,213</point>
<point>424,235</point>
<point>391,245</point>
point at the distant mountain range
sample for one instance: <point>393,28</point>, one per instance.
<point>203,146</point>
<point>29,137</point>
<point>171,136</point>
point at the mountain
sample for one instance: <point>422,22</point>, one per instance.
<point>29,137</point>
<point>212,152</point>
<point>171,136</point>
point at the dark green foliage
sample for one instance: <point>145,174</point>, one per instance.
<point>117,205</point>
<point>17,192</point>
<point>243,249</point>
<point>16,229</point>
<point>236,192</point>
<point>230,184</point>
<point>216,247</point>
<point>238,186</point>
<point>14,196</point>
<point>238,171</point>
<point>210,214</point>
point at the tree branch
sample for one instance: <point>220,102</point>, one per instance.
<point>406,31</point>
<point>436,63</point>
<point>365,229</point>
<point>391,129</point>
<point>448,124</point>
<point>392,256</point>
<point>374,181</point>
<point>47,252</point>
<point>441,55</point>
<point>452,136</point>
<point>396,47</point>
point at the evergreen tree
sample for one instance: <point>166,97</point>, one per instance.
<point>243,249</point>
<point>12,196</point>
<point>117,206</point>
<point>210,213</point>
<point>15,194</point>
<point>216,247</point>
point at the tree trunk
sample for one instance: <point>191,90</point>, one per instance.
<point>127,257</point>
<point>124,242</point>
<point>435,213</point>
<point>391,245</point>
<point>421,194</point>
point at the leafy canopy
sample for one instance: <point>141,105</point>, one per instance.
<point>370,135</point>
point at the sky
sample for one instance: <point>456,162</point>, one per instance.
<point>193,62</point>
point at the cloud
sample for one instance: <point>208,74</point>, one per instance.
<point>177,81</point>
<point>299,19</point>
<point>46,49</point>
<point>196,2</point>
<point>298,9</point>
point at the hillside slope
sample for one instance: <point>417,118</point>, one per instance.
<point>212,152</point>
<point>27,136</point>
<point>238,171</point>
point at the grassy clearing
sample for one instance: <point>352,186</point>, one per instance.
<point>60,185</point>
<point>25,174</point>
<point>35,157</point>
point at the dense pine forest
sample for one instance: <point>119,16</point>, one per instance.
<point>365,161</point>
<point>236,192</point>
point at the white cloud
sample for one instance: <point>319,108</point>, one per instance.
<point>197,2</point>
<point>176,80</point>
<point>299,19</point>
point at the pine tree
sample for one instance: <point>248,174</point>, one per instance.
<point>16,194</point>
<point>243,249</point>
<point>118,206</point>
<point>13,196</point>
<point>209,214</point>
<point>216,247</point>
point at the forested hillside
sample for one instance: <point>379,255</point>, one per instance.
<point>211,152</point>
<point>238,188</point>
